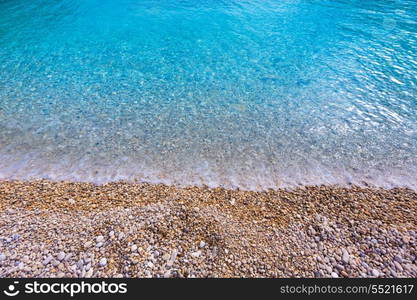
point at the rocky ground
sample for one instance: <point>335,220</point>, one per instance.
<point>62,229</point>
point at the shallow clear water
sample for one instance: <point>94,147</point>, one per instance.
<point>249,94</point>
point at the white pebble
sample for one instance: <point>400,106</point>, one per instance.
<point>89,273</point>
<point>167,274</point>
<point>99,239</point>
<point>103,262</point>
<point>47,260</point>
<point>174,255</point>
<point>172,258</point>
<point>345,256</point>
<point>196,254</point>
<point>61,256</point>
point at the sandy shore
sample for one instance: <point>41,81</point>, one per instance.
<point>50,229</point>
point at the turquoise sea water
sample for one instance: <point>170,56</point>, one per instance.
<point>250,94</point>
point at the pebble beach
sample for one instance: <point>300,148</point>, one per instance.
<point>68,229</point>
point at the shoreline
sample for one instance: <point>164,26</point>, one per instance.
<point>120,229</point>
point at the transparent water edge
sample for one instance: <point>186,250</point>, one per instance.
<point>238,94</point>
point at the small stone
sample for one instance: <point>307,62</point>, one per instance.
<point>61,256</point>
<point>99,245</point>
<point>100,239</point>
<point>134,248</point>
<point>196,254</point>
<point>174,255</point>
<point>55,263</point>
<point>334,275</point>
<point>87,267</point>
<point>398,266</point>
<point>89,273</point>
<point>47,260</point>
<point>345,256</point>
<point>148,274</point>
<point>398,258</point>
<point>375,272</point>
<point>2,257</point>
<point>103,262</point>
<point>166,256</point>
<point>172,258</point>
<point>88,244</point>
<point>71,201</point>
<point>80,264</point>
<point>409,268</point>
<point>167,274</point>
<point>202,244</point>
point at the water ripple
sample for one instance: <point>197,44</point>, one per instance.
<point>248,94</point>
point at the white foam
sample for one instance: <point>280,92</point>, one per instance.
<point>28,168</point>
